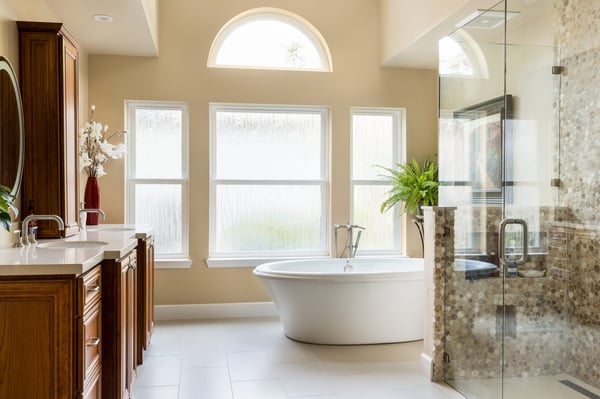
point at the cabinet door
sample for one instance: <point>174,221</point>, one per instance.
<point>70,130</point>
<point>48,64</point>
<point>94,388</point>
<point>37,332</point>
<point>123,311</point>
<point>149,291</point>
<point>118,327</point>
<point>131,322</point>
<point>145,293</point>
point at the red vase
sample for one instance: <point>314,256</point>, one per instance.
<point>92,199</point>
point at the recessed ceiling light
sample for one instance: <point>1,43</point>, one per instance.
<point>103,18</point>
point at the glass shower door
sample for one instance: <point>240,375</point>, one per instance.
<point>498,160</point>
<point>535,323</point>
<point>473,107</point>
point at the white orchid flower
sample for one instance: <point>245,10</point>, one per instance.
<point>100,171</point>
<point>94,148</point>
<point>84,160</point>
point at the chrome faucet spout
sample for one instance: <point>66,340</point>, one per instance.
<point>83,216</point>
<point>27,237</point>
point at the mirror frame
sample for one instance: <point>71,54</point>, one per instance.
<point>6,66</point>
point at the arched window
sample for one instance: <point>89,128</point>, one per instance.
<point>460,55</point>
<point>269,38</point>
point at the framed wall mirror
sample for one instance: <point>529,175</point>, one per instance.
<point>11,129</point>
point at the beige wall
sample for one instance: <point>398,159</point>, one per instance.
<point>187,28</point>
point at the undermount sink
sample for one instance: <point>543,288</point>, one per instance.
<point>72,244</point>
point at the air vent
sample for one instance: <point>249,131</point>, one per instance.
<point>486,19</point>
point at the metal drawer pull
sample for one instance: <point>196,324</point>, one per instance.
<point>133,265</point>
<point>94,341</point>
<point>93,288</point>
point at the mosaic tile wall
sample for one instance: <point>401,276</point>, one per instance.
<point>471,324</point>
<point>552,322</point>
<point>578,38</point>
<point>576,254</point>
<point>438,228</point>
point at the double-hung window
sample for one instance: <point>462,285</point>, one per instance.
<point>377,140</point>
<point>268,181</point>
<point>157,175</point>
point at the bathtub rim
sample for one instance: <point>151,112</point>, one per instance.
<point>264,271</point>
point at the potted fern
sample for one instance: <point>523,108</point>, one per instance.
<point>414,186</point>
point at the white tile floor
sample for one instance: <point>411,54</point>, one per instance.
<point>252,359</point>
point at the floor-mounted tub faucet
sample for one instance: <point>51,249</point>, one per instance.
<point>351,245</point>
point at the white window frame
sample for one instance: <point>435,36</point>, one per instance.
<point>170,260</point>
<point>232,259</point>
<point>311,32</point>
<point>398,156</point>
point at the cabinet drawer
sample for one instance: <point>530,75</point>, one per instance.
<point>90,289</point>
<point>90,344</point>
<point>94,388</point>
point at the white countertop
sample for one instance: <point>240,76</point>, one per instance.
<point>37,260</point>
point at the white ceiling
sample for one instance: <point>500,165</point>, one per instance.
<point>130,32</point>
<point>133,30</point>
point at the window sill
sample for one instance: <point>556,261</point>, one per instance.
<point>253,262</point>
<point>172,263</point>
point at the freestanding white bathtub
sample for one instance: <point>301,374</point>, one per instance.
<point>348,301</point>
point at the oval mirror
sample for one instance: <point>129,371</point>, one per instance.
<point>11,129</point>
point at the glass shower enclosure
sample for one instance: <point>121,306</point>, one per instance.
<point>519,318</point>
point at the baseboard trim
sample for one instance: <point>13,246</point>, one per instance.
<point>427,366</point>
<point>214,311</point>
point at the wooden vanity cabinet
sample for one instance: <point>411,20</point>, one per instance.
<point>145,293</point>
<point>89,334</point>
<point>48,69</point>
<point>50,338</point>
<point>119,292</point>
<point>37,337</point>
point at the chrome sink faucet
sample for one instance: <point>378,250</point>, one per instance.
<point>83,216</point>
<point>351,245</point>
<point>27,237</point>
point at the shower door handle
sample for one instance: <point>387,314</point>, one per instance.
<point>502,237</point>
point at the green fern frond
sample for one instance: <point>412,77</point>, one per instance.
<point>412,185</point>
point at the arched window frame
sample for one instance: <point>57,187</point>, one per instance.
<point>276,14</point>
<point>472,52</point>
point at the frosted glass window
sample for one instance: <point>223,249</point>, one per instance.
<point>159,205</point>
<point>381,226</point>
<point>372,144</point>
<point>268,181</point>
<point>158,137</point>
<point>274,219</point>
<point>270,39</point>
<point>270,145</point>
<point>377,137</point>
<point>157,174</point>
